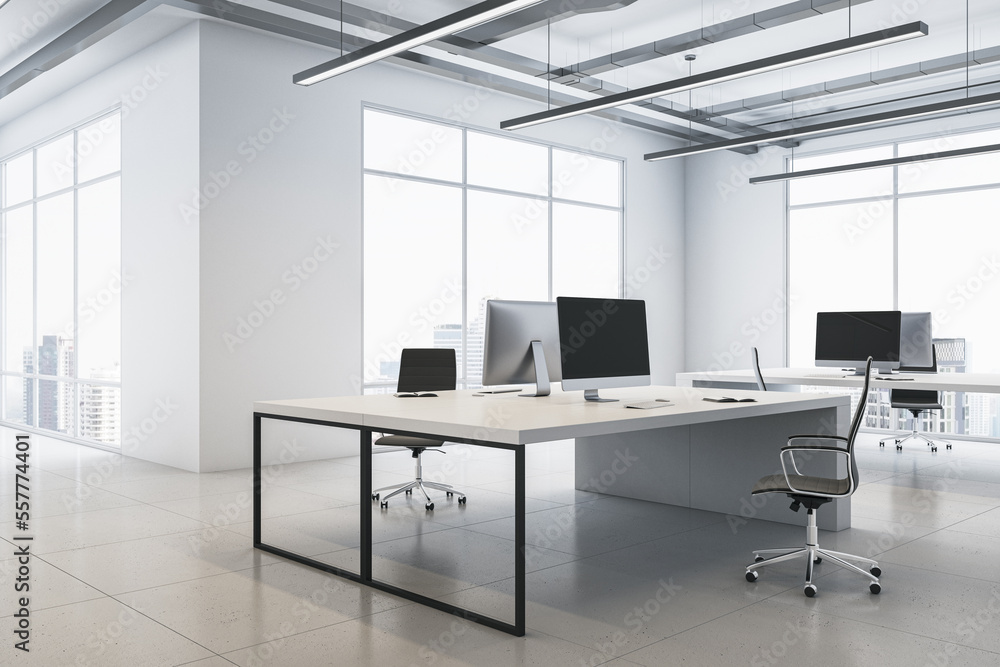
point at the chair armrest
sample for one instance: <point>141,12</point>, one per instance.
<point>813,448</point>
<point>817,437</point>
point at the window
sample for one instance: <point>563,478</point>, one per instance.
<point>455,216</point>
<point>919,237</point>
<point>60,282</point>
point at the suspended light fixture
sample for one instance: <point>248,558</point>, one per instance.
<point>832,126</point>
<point>404,41</point>
<point>810,54</point>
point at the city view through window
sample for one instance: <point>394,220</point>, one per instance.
<point>897,238</point>
<point>60,284</point>
<point>454,217</point>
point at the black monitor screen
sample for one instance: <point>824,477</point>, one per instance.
<point>602,338</point>
<point>853,337</point>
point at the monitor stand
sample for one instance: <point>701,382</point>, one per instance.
<point>541,371</point>
<point>591,395</point>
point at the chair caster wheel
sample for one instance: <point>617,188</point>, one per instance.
<point>752,576</point>
<point>876,571</point>
<point>933,449</point>
<point>461,501</point>
<point>429,506</point>
<point>875,588</point>
<point>408,492</point>
<point>881,444</point>
<point>817,560</point>
<point>758,559</point>
<point>947,446</point>
<point>899,448</point>
<point>448,494</point>
<point>810,590</point>
<point>374,496</point>
<point>385,504</point>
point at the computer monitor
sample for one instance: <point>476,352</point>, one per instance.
<point>522,344</point>
<point>603,344</point>
<point>916,343</point>
<point>848,339</point>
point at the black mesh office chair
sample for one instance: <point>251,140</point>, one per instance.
<point>813,492</point>
<point>421,370</point>
<point>756,370</point>
<point>916,401</point>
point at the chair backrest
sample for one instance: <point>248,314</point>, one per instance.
<point>929,396</point>
<point>756,370</point>
<point>426,369</point>
<point>856,421</point>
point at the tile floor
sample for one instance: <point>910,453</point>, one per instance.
<point>138,564</point>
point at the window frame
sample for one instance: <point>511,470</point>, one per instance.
<point>549,199</point>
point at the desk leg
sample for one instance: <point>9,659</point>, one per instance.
<point>256,480</point>
<point>519,541</point>
<point>366,505</point>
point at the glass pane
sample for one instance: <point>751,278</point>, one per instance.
<point>55,165</point>
<point>99,148</point>
<point>585,251</point>
<point>953,173</point>
<point>586,178</point>
<point>948,265</point>
<point>850,185</point>
<point>506,164</point>
<point>99,281</point>
<point>19,400</point>
<point>508,258</point>
<point>18,267</point>
<point>412,147</point>
<point>413,270</point>
<point>101,413</point>
<point>55,287</point>
<point>840,259</point>
<point>18,179</point>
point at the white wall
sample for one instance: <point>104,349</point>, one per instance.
<point>736,244</point>
<point>159,255</point>
<point>306,184</point>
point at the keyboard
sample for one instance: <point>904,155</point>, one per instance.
<point>648,405</point>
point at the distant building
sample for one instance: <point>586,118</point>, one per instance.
<point>100,409</point>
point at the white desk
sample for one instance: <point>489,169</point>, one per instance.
<point>693,453</point>
<point>829,377</point>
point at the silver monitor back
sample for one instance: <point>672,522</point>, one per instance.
<point>916,342</point>
<point>510,328</point>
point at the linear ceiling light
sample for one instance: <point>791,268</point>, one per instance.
<point>832,126</point>
<point>818,52</point>
<point>3,2</point>
<point>875,164</point>
<point>404,41</point>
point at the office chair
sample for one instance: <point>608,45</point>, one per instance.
<point>916,401</point>
<point>813,492</point>
<point>756,370</point>
<point>421,370</point>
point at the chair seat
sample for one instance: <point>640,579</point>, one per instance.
<point>407,441</point>
<point>823,485</point>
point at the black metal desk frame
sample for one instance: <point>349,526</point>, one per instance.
<point>365,576</point>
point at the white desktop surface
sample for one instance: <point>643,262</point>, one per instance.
<point>831,377</point>
<point>514,420</point>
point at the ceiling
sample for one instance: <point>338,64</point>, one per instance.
<point>589,48</point>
